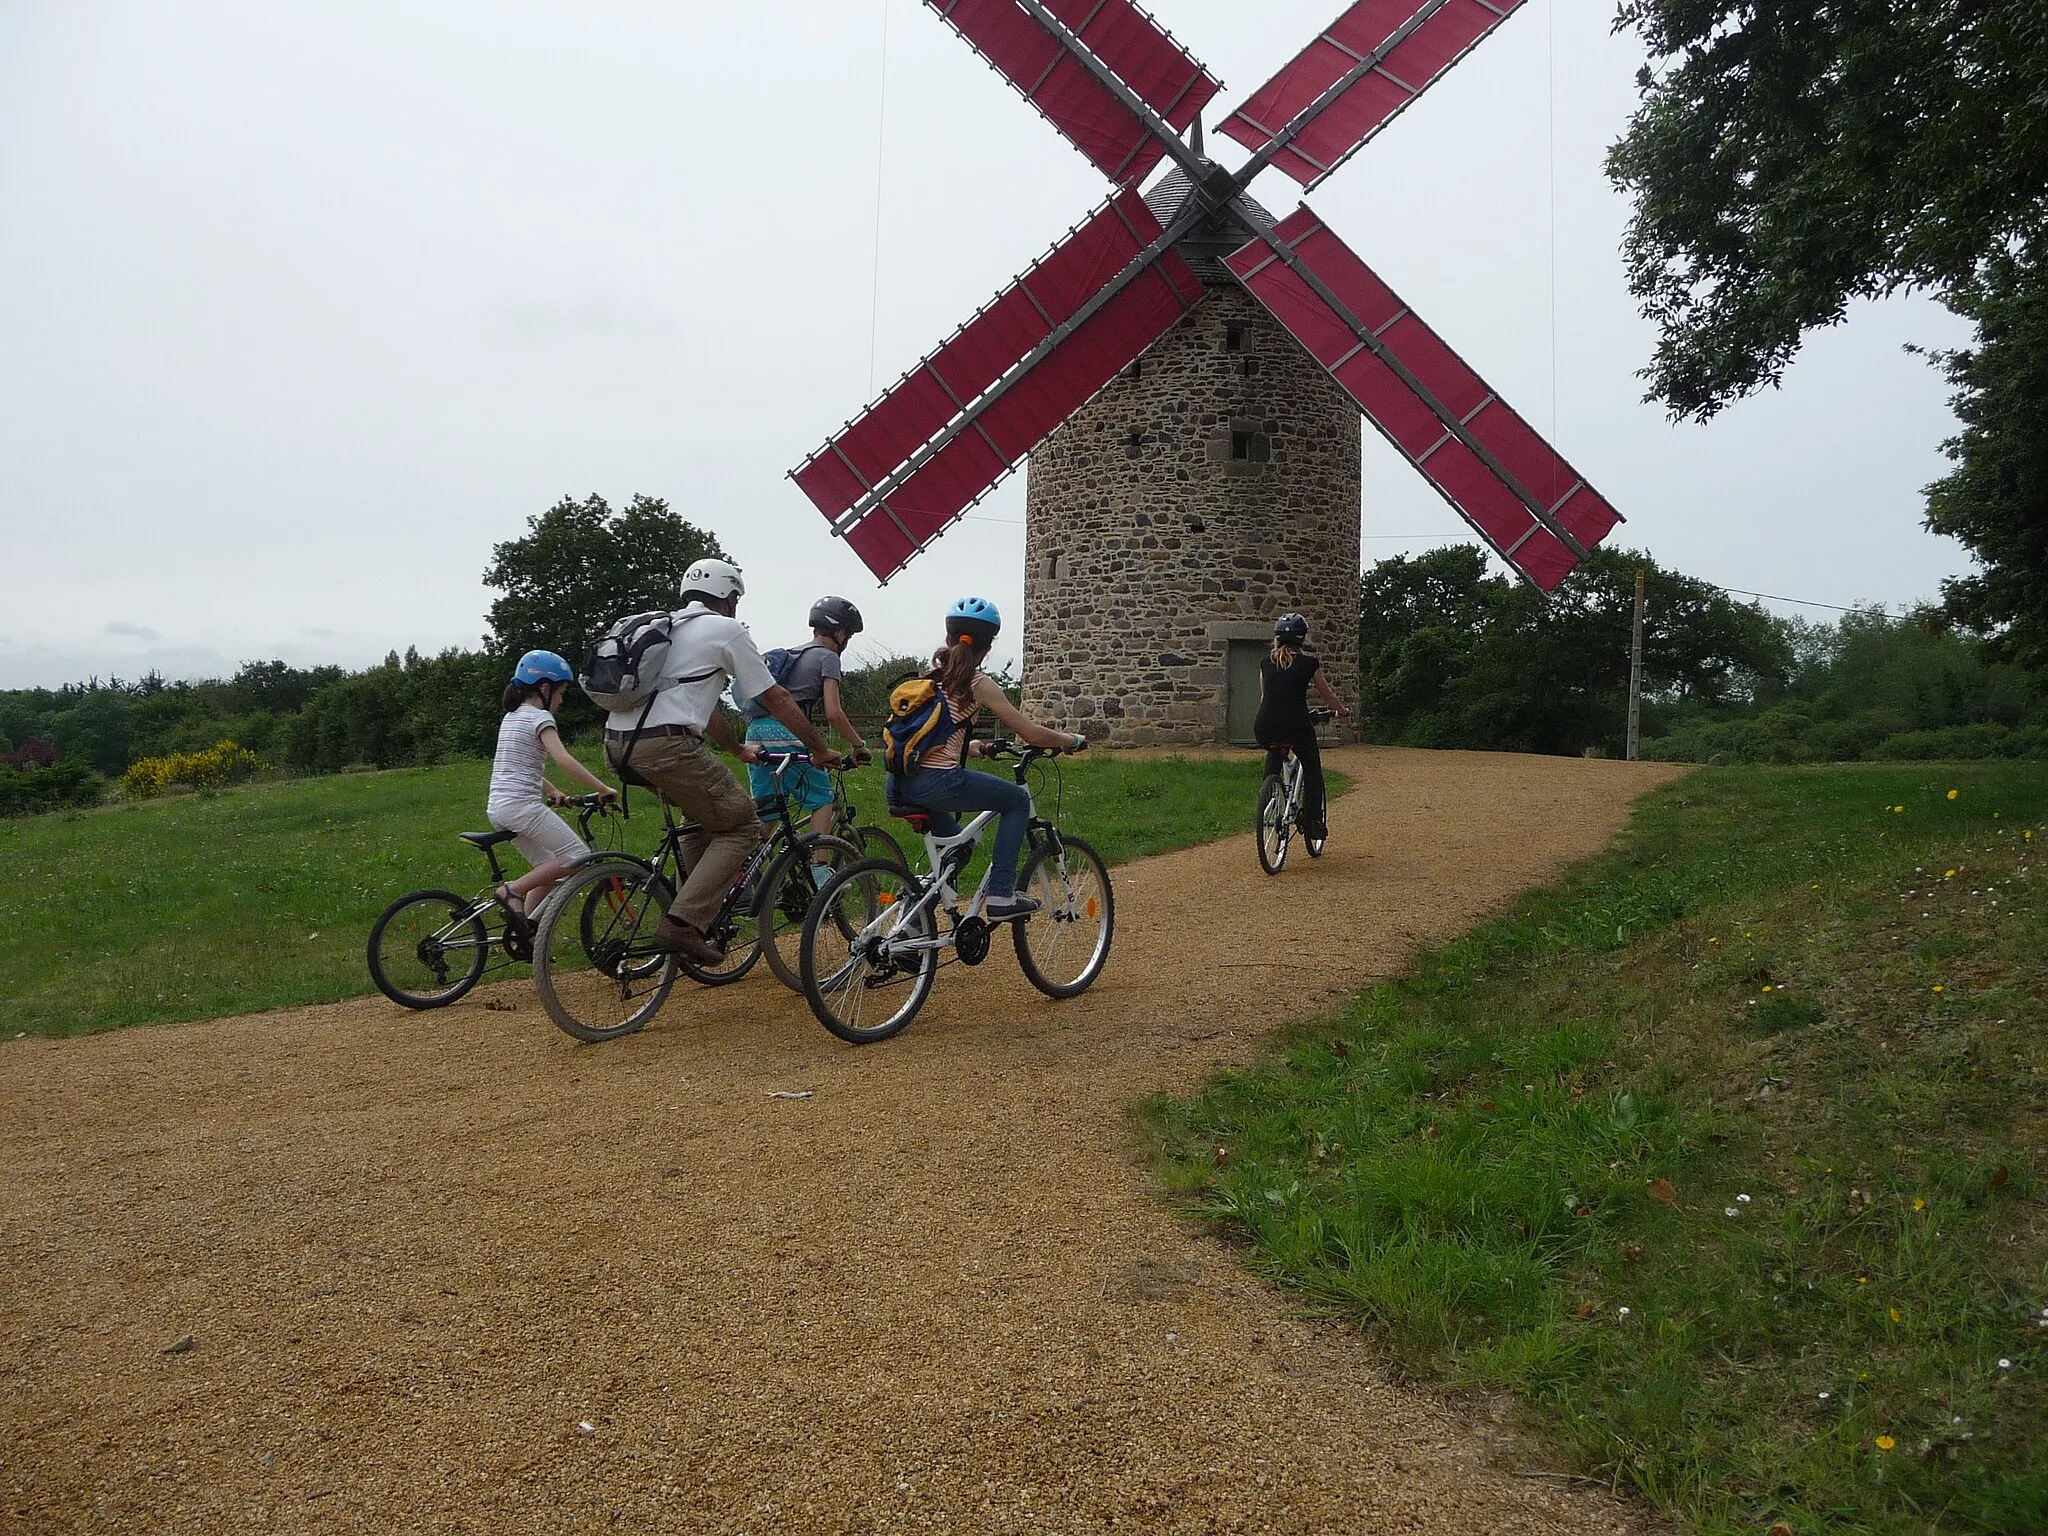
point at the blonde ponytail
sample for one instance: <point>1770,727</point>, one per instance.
<point>1285,656</point>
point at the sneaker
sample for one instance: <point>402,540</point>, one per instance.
<point>821,874</point>
<point>1002,908</point>
<point>676,938</point>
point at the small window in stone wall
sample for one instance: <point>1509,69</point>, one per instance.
<point>1236,339</point>
<point>1251,367</point>
<point>1058,567</point>
<point>1251,448</point>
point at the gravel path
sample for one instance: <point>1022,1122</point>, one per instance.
<point>455,1272</point>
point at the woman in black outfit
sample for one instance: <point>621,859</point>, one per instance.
<point>1283,722</point>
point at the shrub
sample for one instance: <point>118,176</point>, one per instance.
<point>220,764</point>
<point>25,791</point>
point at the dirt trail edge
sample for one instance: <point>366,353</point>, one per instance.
<point>454,1272</point>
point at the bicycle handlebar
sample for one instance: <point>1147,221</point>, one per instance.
<point>1026,756</point>
<point>779,761</point>
<point>593,805</point>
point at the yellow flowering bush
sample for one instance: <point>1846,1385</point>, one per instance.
<point>222,763</point>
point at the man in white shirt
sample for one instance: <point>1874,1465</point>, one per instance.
<point>708,647</point>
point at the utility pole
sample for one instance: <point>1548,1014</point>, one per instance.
<point>1635,675</point>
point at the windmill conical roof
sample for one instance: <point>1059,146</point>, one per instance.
<point>1212,240</point>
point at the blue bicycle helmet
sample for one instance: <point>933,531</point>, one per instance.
<point>542,667</point>
<point>974,618</point>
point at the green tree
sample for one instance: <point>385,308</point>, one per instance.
<point>1789,156</point>
<point>1996,500</point>
<point>96,726</point>
<point>1454,657</point>
<point>581,565</point>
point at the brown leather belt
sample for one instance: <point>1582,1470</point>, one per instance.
<point>654,730</point>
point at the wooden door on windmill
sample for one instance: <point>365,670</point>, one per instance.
<point>1242,705</point>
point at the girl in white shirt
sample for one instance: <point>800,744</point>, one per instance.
<point>520,791</point>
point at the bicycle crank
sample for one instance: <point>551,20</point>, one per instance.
<point>970,940</point>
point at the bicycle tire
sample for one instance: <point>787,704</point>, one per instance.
<point>1272,828</point>
<point>1061,880</point>
<point>443,911</point>
<point>838,979</point>
<point>787,892</point>
<point>874,843</point>
<point>596,977</point>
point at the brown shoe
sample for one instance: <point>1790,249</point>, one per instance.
<point>681,939</point>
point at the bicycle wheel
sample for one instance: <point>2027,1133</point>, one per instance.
<point>874,843</point>
<point>596,974</point>
<point>1274,825</point>
<point>428,949</point>
<point>1065,943</point>
<point>786,896</point>
<point>866,957</point>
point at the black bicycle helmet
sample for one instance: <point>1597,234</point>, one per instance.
<point>1290,629</point>
<point>829,613</point>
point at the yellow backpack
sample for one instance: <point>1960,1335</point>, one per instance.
<point>919,720</point>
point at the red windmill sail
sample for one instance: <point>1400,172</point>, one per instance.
<point>1057,80</point>
<point>958,423</point>
<point>1370,63</point>
<point>1509,484</point>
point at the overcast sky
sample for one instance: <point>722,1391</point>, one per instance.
<point>305,304</point>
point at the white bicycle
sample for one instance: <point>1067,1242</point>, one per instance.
<point>873,938</point>
<point>1282,809</point>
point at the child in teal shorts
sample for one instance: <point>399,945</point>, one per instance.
<point>813,681</point>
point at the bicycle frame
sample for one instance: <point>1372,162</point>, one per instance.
<point>948,856</point>
<point>667,860</point>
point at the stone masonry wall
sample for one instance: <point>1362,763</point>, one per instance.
<point>1188,506</point>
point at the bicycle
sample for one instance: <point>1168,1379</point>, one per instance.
<point>1281,808</point>
<point>874,930</point>
<point>599,973</point>
<point>429,948</point>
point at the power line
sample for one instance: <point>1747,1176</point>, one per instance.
<point>881,142</point>
<point>1797,602</point>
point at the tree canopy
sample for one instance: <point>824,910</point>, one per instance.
<point>1790,155</point>
<point>581,565</point>
<point>1996,499</point>
<point>1453,657</point>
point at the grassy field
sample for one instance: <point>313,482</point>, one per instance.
<point>263,896</point>
<point>1726,1156</point>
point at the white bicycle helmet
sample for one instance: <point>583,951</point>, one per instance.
<point>719,578</point>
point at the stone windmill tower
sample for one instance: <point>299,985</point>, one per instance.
<point>1186,374</point>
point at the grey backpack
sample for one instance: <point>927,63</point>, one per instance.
<point>624,666</point>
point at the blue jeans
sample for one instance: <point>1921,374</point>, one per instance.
<point>943,791</point>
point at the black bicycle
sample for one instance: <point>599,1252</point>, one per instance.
<point>429,948</point>
<point>1283,809</point>
<point>596,966</point>
<point>873,842</point>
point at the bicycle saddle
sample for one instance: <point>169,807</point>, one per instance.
<point>919,818</point>
<point>487,839</point>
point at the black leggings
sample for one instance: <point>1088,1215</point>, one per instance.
<point>1311,755</point>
